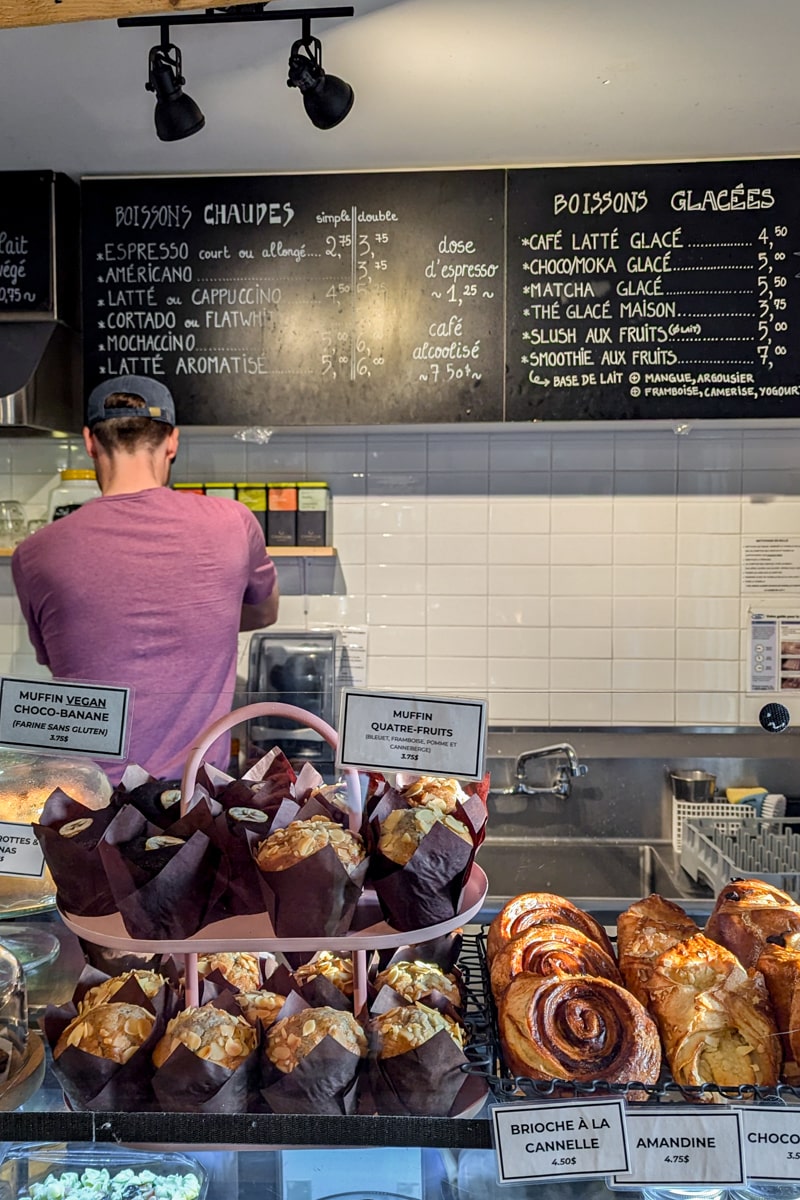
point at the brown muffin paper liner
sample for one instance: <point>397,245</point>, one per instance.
<point>171,903</point>
<point>186,1083</point>
<point>386,998</point>
<point>146,798</point>
<point>427,889</point>
<point>308,780</point>
<point>316,897</point>
<point>320,993</point>
<point>422,1082</point>
<point>214,986</point>
<point>443,950</point>
<point>75,864</point>
<point>272,765</point>
<point>97,1084</point>
<point>163,1005</point>
<point>325,1081</point>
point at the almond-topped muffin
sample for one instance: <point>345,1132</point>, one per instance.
<point>211,1033</point>
<point>260,1007</point>
<point>114,1031</point>
<point>291,1039</point>
<point>334,968</point>
<point>404,828</point>
<point>412,980</point>
<point>300,839</point>
<point>149,981</point>
<point>442,795</point>
<point>242,970</point>
<point>410,1026</point>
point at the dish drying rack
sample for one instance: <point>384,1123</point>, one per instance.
<point>717,849</point>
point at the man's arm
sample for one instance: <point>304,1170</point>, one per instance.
<point>256,616</point>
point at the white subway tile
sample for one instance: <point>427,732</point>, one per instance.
<point>577,642</point>
<point>505,642</point>
<point>395,673</point>
<point>706,676</point>
<point>709,483</point>
<point>592,611</point>
<point>770,483</point>
<point>408,548</point>
<point>706,708</point>
<point>328,454</point>
<point>642,675</point>
<point>646,486</point>
<point>399,610</point>
<point>643,708</point>
<point>388,640</point>
<point>519,515</point>
<point>709,549</point>
<point>590,675</point>
<point>517,611</point>
<point>581,516</point>
<point>457,516</point>
<point>387,579</point>
<point>580,581</point>
<point>451,674</point>
<point>582,483</point>
<point>518,707</point>
<point>397,516</point>
<point>708,643</point>
<point>710,452</point>
<point>772,516</point>
<point>458,548</point>
<point>449,485</point>
<point>708,612</point>
<point>336,610</point>
<point>655,612</point>
<point>648,580</point>
<point>751,706</point>
<point>643,515</point>
<point>452,579</point>
<point>515,674</point>
<point>397,483</point>
<point>220,458</point>
<point>352,548</point>
<point>527,549</point>
<point>349,516</point>
<point>459,452</point>
<point>656,451</point>
<point>572,452</point>
<point>644,643</point>
<point>291,613</point>
<point>590,549</point>
<point>464,609</point>
<point>708,581</point>
<point>454,640</point>
<point>36,456</point>
<point>641,548</point>
<point>392,451</point>
<point>524,450</point>
<point>519,581</point>
<point>588,708</point>
<point>355,577</point>
<point>515,484</point>
<point>10,613</point>
<point>775,452</point>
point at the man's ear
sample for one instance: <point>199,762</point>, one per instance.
<point>89,442</point>
<point>172,444</point>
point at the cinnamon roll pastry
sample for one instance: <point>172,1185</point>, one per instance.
<point>551,950</point>
<point>749,913</point>
<point>577,1027</point>
<point>780,966</point>
<point>714,1016</point>
<point>644,931</point>
<point>541,908</point>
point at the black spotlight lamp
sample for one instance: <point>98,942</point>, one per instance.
<point>327,98</point>
<point>176,116</point>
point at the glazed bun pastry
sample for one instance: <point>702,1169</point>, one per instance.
<point>551,950</point>
<point>780,966</point>
<point>748,913</point>
<point>541,908</point>
<point>715,1017</point>
<point>577,1027</point>
<point>644,931</point>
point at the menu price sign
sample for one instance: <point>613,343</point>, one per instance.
<point>771,1143</point>
<point>558,1140</point>
<point>694,1146</point>
<point>427,735</point>
<point>55,717</point>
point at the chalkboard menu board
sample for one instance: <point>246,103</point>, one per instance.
<point>574,293</point>
<point>301,300</point>
<point>26,243</point>
<point>651,291</point>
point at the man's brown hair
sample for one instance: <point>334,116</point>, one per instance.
<point>129,433</point>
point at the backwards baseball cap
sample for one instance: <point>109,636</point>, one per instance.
<point>157,398</point>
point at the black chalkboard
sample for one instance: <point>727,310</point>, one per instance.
<point>301,300</point>
<point>654,291</point>
<point>26,243</point>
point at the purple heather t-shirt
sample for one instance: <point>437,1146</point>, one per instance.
<point>144,590</point>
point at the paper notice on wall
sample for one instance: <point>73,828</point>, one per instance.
<point>774,651</point>
<point>771,564</point>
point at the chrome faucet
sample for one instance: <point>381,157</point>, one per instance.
<point>562,784</point>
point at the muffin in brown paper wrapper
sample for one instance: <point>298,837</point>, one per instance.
<point>423,1081</point>
<point>158,800</point>
<point>169,902</point>
<point>428,888</point>
<point>324,1081</point>
<point>316,897</point>
<point>239,889</point>
<point>449,998</point>
<point>328,983</point>
<point>72,857</point>
<point>186,1083</point>
<point>91,1082</point>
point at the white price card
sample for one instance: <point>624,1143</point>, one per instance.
<point>686,1145</point>
<point>20,852</point>
<point>560,1139</point>
<point>771,1143</point>
<point>426,735</point>
<point>64,718</point>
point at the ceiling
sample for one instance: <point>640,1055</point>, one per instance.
<point>437,83</point>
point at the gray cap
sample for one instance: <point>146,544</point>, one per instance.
<point>157,397</point>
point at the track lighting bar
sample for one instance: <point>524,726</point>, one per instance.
<point>234,16</point>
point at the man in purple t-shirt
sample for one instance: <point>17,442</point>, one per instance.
<point>145,587</point>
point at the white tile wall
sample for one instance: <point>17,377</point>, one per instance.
<point>570,576</point>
